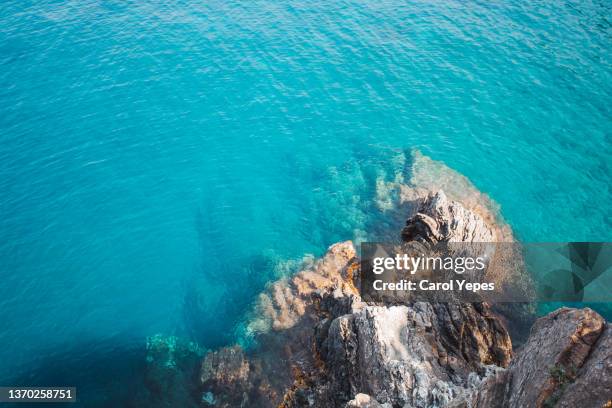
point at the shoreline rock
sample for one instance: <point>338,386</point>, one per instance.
<point>317,344</point>
<point>566,362</point>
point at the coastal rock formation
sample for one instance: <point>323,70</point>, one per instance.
<point>283,329</point>
<point>421,355</point>
<point>439,219</point>
<point>288,300</point>
<point>566,362</point>
<point>316,343</point>
<point>429,177</point>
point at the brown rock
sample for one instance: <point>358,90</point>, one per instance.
<point>566,362</point>
<point>594,379</point>
<point>225,367</point>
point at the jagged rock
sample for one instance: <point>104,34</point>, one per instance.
<point>566,362</point>
<point>560,341</point>
<point>428,176</point>
<point>593,383</point>
<point>439,219</point>
<point>420,355</point>
<point>284,333</point>
<point>318,344</point>
<point>436,219</point>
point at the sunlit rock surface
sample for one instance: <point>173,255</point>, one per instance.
<point>439,219</point>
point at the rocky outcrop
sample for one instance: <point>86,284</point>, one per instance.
<point>439,219</point>
<point>316,343</point>
<point>566,362</point>
<point>282,329</point>
<point>319,345</point>
<point>593,382</point>
<point>421,355</point>
<point>436,219</point>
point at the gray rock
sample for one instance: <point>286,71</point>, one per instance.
<point>421,355</point>
<point>566,362</point>
<point>593,383</point>
<point>439,219</point>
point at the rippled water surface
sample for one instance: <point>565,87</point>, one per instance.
<point>160,161</point>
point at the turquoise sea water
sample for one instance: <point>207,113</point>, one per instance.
<point>161,161</point>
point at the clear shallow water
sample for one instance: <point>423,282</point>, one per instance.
<point>158,161</point>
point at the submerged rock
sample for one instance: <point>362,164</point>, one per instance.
<point>224,376</point>
<point>171,365</point>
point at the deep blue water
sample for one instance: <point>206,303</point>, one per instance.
<point>160,161</point>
